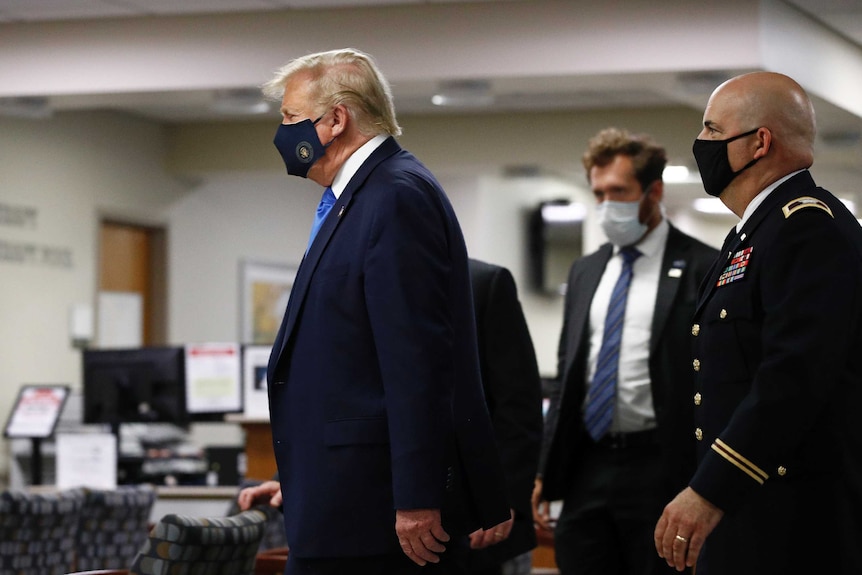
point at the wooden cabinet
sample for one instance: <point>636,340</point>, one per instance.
<point>259,457</point>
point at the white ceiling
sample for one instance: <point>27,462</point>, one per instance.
<point>841,129</point>
<point>45,10</point>
<point>842,16</point>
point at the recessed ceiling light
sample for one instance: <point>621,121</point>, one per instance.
<point>32,107</point>
<point>240,101</point>
<point>464,93</point>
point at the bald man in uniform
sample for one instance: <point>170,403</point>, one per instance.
<point>776,337</point>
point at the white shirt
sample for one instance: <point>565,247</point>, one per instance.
<point>353,163</point>
<point>634,407</point>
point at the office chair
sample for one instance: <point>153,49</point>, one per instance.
<point>273,535</point>
<point>200,545</point>
<point>114,526</point>
<point>37,531</point>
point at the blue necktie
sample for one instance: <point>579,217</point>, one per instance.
<point>326,203</point>
<point>599,412</point>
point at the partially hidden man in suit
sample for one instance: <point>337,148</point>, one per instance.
<point>776,340</point>
<point>513,392</point>
<point>385,451</point>
<point>614,460</point>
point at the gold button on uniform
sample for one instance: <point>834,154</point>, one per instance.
<point>695,329</point>
<point>697,398</point>
<point>782,471</point>
<point>698,433</point>
<point>696,364</point>
<point>722,314</point>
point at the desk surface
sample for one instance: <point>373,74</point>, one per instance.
<point>197,492</point>
<point>169,492</point>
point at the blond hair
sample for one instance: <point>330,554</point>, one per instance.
<point>345,77</point>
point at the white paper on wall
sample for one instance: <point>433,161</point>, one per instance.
<point>121,319</point>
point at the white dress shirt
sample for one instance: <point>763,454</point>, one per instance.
<point>353,163</point>
<point>634,407</point>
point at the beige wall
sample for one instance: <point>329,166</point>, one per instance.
<point>65,172</point>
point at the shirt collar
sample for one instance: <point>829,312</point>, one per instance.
<point>652,243</point>
<point>353,163</point>
<point>761,197</point>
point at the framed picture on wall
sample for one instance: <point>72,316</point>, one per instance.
<point>264,290</point>
<point>255,398</point>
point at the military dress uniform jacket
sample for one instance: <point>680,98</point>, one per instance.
<point>686,261</point>
<point>777,340</point>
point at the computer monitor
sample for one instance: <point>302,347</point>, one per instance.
<point>555,240</point>
<point>140,385</point>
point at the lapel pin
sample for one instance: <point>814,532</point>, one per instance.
<point>676,268</point>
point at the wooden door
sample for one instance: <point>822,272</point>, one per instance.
<point>132,259</point>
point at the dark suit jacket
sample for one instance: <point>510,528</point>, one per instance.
<point>375,395</point>
<point>513,391</point>
<point>781,385</point>
<point>686,261</point>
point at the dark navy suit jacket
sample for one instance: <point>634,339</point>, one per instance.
<point>375,395</point>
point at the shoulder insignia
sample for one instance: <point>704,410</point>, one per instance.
<point>805,202</point>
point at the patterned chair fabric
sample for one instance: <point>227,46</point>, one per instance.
<point>37,531</point>
<point>274,536</point>
<point>114,526</point>
<point>183,545</point>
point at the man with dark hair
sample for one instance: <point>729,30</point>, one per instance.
<point>617,437</point>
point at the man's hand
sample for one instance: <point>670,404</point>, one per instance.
<point>683,527</point>
<point>541,509</point>
<point>266,492</point>
<point>486,537</point>
<point>420,534</point>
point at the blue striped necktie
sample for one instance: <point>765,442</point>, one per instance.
<point>326,203</point>
<point>599,412</point>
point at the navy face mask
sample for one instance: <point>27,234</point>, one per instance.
<point>299,146</point>
<point>715,170</point>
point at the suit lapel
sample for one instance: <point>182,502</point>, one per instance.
<point>309,263</point>
<point>586,282</point>
<point>672,269</point>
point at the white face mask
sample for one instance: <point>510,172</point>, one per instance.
<point>619,221</point>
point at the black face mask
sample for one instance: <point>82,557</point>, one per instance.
<point>299,146</point>
<point>715,170</point>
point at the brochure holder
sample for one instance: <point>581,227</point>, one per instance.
<point>34,416</point>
